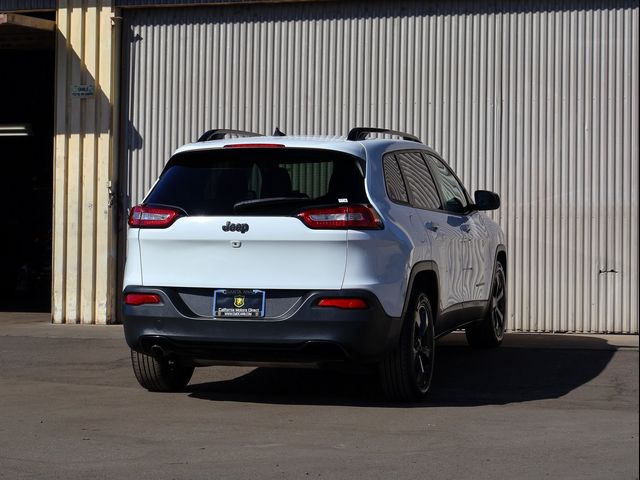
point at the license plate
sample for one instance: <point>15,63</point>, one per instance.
<point>238,303</point>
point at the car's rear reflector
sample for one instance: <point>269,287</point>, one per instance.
<point>352,216</point>
<point>346,303</point>
<point>141,298</point>
<point>144,216</point>
<point>254,145</point>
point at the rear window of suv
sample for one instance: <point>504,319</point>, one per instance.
<point>258,181</point>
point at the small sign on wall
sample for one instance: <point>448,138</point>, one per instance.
<point>82,91</point>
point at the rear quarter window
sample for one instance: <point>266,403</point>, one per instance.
<point>396,188</point>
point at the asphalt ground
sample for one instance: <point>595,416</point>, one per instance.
<point>541,406</point>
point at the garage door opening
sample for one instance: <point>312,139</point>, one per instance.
<point>27,57</point>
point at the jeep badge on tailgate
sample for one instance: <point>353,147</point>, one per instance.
<point>235,227</point>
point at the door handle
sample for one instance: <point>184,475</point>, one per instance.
<point>431,226</point>
<point>465,228</point>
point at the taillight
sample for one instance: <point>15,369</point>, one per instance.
<point>254,145</point>
<point>141,298</point>
<point>352,216</point>
<point>144,216</point>
<point>345,303</point>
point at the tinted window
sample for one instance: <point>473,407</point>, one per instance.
<point>396,188</point>
<point>419,180</point>
<point>452,192</point>
<point>257,181</point>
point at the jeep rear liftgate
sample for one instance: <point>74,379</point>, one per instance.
<point>251,217</point>
<point>273,253</point>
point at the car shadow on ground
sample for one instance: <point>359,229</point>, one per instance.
<point>463,377</point>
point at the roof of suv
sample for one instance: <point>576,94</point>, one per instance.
<point>359,148</point>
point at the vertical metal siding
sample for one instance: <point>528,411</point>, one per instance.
<point>83,226</point>
<point>537,101</point>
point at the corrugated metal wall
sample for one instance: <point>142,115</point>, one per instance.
<point>155,3</point>
<point>84,244</point>
<point>14,5</point>
<point>538,102</point>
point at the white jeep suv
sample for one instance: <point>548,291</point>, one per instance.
<point>277,250</point>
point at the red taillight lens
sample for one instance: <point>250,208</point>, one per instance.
<point>141,298</point>
<point>346,303</point>
<point>254,145</point>
<point>352,216</point>
<point>144,216</point>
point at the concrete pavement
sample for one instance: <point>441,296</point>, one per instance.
<point>540,406</point>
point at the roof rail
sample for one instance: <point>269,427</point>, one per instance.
<point>361,133</point>
<point>220,133</point>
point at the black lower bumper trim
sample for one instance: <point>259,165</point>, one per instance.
<point>310,334</point>
<point>307,352</point>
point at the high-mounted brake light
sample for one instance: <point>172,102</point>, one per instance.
<point>141,298</point>
<point>352,216</point>
<point>143,216</point>
<point>254,145</point>
<point>346,303</point>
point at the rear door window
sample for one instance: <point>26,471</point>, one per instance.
<point>421,186</point>
<point>253,181</point>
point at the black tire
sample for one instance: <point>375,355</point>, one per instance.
<point>407,370</point>
<point>489,332</point>
<point>159,375</point>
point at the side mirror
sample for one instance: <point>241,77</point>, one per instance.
<point>486,200</point>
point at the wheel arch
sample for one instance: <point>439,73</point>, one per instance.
<point>501,256</point>
<point>424,274</point>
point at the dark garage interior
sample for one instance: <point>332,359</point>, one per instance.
<point>27,57</point>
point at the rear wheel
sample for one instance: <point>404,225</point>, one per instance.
<point>406,372</point>
<point>159,375</point>
<point>489,332</point>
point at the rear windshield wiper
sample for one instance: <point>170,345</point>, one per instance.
<point>265,202</point>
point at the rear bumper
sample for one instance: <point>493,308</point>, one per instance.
<point>307,334</point>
